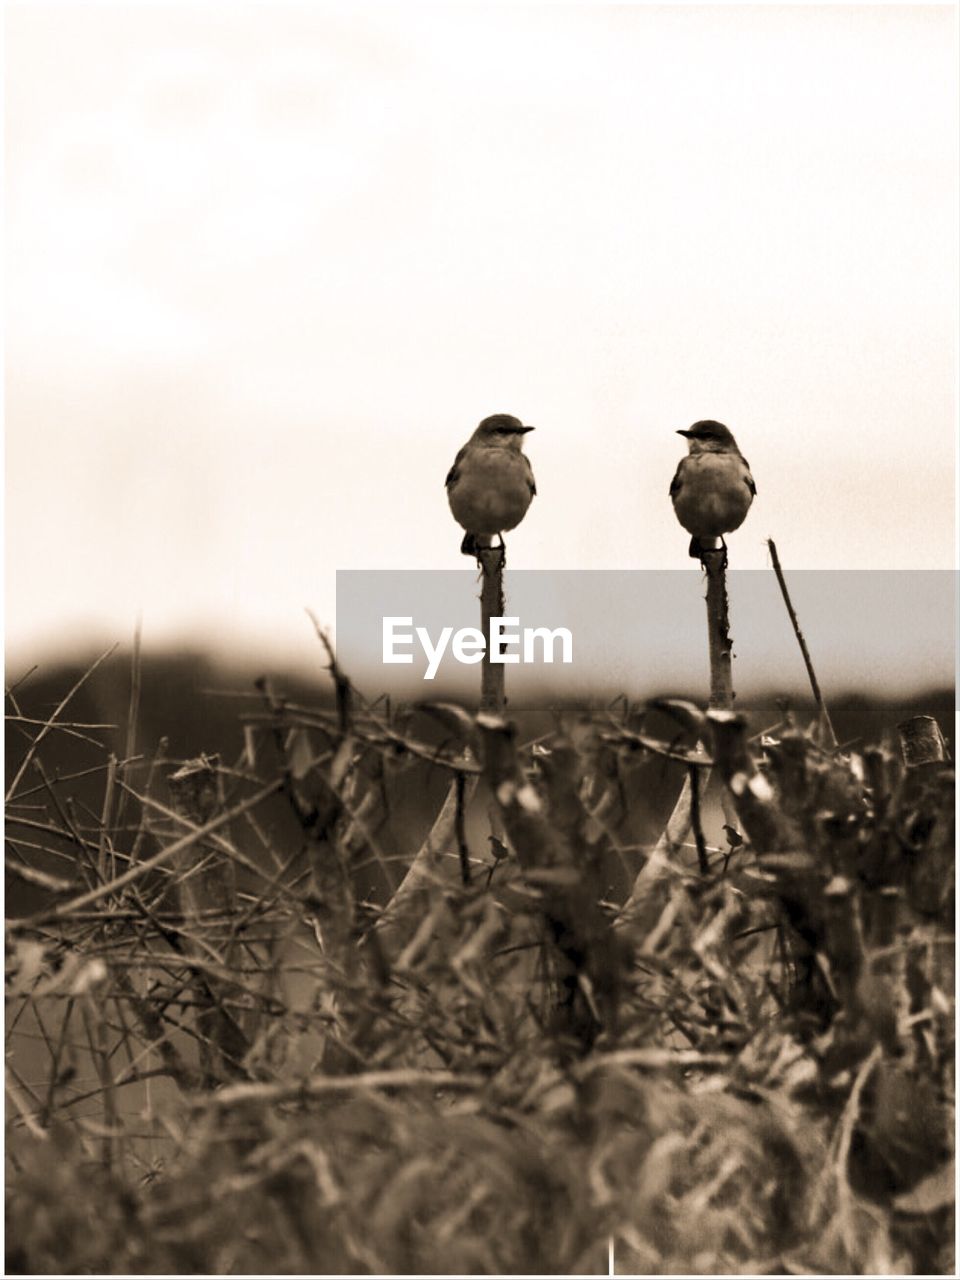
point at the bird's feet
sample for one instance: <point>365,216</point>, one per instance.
<point>699,551</point>
<point>478,545</point>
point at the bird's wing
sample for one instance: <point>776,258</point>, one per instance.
<point>749,479</point>
<point>530,480</point>
<point>676,482</point>
<point>453,475</point>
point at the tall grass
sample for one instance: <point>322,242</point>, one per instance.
<point>227,1053</point>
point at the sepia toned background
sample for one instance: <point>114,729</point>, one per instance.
<point>267,267</point>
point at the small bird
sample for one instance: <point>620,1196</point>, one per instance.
<point>491,485</point>
<point>713,488</point>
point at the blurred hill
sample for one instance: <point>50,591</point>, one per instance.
<point>197,705</point>
<point>193,700</point>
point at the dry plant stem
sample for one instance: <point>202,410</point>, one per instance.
<point>159,754</point>
<point>70,826</point>
<point>718,630</point>
<point>195,791</point>
<point>137,872</point>
<point>493,698</point>
<point>697,825</point>
<point>316,1086</point>
<point>461,829</point>
<point>342,687</point>
<point>648,895</point>
<point>106,821</point>
<point>805,652</point>
<point>151,1024</point>
<point>97,1040</point>
<point>49,724</point>
<point>133,713</point>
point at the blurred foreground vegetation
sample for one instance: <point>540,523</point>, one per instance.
<point>430,992</point>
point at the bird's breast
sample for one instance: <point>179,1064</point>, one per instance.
<point>492,491</point>
<point>714,495</point>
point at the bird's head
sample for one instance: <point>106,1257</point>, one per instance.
<point>709,436</point>
<point>502,431</point>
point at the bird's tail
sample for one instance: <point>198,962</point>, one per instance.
<point>699,545</point>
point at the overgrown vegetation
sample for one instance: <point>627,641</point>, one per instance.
<point>249,1031</point>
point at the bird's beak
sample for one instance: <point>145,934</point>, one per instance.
<point>685,433</point>
<point>524,430</point>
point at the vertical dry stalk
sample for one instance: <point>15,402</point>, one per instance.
<point>651,886</point>
<point>702,860</point>
<point>718,630</point>
<point>207,885</point>
<point>463,851</point>
<point>133,715</point>
<point>687,809</point>
<point>493,698</point>
<point>106,862</point>
<point>143,823</point>
<point>805,652</point>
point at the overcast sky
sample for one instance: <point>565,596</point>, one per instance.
<point>268,266</point>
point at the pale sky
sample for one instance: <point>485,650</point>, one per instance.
<point>267,267</point>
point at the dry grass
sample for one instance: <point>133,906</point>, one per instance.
<point>224,1057</point>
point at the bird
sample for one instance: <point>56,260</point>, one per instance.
<point>490,485</point>
<point>712,489</point>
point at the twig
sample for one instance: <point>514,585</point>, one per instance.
<point>460,828</point>
<point>11,688</point>
<point>805,652</point>
<point>314,1087</point>
<point>695,822</point>
<point>106,821</point>
<point>342,685</point>
<point>650,1058</point>
<point>196,794</point>
<point>136,872</point>
<point>133,712</point>
<point>48,725</point>
<point>158,755</point>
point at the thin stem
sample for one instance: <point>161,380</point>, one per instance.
<point>695,822</point>
<point>460,828</point>
<point>493,698</point>
<point>718,630</point>
<point>805,652</point>
<point>133,713</point>
<point>140,869</point>
<point>49,724</point>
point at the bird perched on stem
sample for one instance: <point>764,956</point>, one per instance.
<point>491,485</point>
<point>713,488</point>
